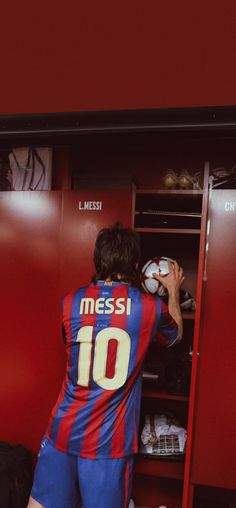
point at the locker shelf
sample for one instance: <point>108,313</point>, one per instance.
<point>159,467</point>
<point>188,315</point>
<point>169,192</point>
<point>168,211</point>
<point>169,230</point>
<point>164,395</point>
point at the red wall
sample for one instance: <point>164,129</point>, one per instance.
<point>102,55</point>
<point>46,247</point>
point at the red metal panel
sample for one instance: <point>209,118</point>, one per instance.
<point>213,459</point>
<point>150,491</point>
<point>80,227</point>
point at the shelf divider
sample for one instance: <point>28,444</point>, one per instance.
<point>170,192</point>
<point>188,315</point>
<point>159,468</point>
<point>169,230</point>
<point>151,394</point>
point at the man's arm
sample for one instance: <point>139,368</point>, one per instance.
<point>175,312</point>
<point>172,282</point>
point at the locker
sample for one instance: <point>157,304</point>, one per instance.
<point>52,235</point>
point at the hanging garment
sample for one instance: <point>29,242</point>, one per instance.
<point>31,168</point>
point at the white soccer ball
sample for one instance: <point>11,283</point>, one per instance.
<point>155,265</point>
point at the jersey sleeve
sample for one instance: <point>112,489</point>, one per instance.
<point>167,329</point>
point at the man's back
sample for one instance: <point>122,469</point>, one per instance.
<point>108,327</point>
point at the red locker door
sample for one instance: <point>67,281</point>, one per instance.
<point>85,212</point>
<point>30,330</point>
<point>214,459</point>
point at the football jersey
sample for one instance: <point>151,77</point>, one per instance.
<point>108,328</point>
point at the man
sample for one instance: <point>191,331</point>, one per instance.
<point>86,456</point>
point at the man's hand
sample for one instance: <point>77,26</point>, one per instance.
<point>173,281</point>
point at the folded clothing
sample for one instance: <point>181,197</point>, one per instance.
<point>162,435</point>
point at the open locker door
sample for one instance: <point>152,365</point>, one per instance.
<point>213,456</point>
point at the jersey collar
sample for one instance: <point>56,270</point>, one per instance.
<point>111,283</point>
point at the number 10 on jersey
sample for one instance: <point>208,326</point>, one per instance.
<point>100,359</point>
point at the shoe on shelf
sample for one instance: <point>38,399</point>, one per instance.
<point>170,179</point>
<point>187,181</point>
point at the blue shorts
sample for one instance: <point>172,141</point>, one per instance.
<point>62,480</point>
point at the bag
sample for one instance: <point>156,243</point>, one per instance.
<point>169,371</point>
<point>178,375</point>
<point>15,475</point>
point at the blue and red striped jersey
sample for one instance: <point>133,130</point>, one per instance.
<point>108,328</point>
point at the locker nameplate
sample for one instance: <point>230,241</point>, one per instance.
<point>90,205</point>
<point>230,206</point>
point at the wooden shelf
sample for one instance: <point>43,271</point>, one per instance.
<point>188,315</point>
<point>169,230</point>
<point>151,394</point>
<point>159,467</point>
<point>166,191</point>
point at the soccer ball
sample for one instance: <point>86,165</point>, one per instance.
<point>155,265</point>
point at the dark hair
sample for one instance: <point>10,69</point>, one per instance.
<point>117,251</point>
